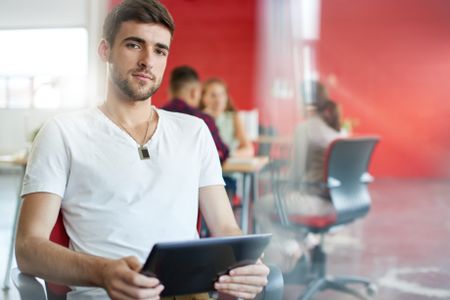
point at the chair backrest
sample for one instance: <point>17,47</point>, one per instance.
<point>264,149</point>
<point>346,174</point>
<point>60,237</point>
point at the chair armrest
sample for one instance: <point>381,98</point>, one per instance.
<point>28,286</point>
<point>275,285</point>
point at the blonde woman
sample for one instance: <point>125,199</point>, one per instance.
<point>216,103</point>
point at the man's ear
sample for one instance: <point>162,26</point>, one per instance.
<point>195,94</point>
<point>104,50</point>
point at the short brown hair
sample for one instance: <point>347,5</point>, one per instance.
<point>180,76</point>
<point>143,11</point>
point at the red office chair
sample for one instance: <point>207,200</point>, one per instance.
<point>58,236</point>
<point>345,180</point>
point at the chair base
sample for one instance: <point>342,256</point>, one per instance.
<point>339,284</point>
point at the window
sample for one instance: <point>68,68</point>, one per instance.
<point>43,68</point>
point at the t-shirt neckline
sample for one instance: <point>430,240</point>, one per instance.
<point>122,132</point>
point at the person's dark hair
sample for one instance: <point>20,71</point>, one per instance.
<point>329,112</point>
<point>142,11</point>
<point>180,76</point>
<point>211,81</point>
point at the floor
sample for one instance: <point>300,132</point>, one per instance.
<point>403,244</point>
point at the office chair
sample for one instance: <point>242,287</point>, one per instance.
<point>31,289</point>
<point>345,179</point>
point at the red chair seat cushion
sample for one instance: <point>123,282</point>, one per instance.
<point>310,221</point>
<point>314,221</point>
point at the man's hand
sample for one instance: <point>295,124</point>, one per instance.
<point>122,280</point>
<point>244,282</point>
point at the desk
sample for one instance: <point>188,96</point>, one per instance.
<point>16,160</point>
<point>274,139</point>
<point>249,168</point>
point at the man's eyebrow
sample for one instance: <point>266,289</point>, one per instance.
<point>162,46</point>
<point>133,39</point>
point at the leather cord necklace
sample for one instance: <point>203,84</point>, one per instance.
<point>142,149</point>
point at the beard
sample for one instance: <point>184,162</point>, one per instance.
<point>139,93</point>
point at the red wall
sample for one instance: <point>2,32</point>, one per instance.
<point>391,62</point>
<point>217,38</point>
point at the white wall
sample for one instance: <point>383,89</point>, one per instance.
<point>43,13</point>
<point>17,124</point>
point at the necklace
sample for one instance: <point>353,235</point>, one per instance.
<point>142,149</point>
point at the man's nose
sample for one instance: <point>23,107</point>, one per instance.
<point>147,59</point>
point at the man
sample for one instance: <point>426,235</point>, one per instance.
<point>124,175</point>
<point>185,88</point>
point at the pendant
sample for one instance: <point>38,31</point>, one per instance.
<point>143,153</point>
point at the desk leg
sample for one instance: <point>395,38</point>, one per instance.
<point>13,238</point>
<point>245,203</point>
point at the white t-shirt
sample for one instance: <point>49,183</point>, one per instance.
<point>114,204</point>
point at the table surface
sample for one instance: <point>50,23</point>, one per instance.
<point>15,159</point>
<point>274,139</point>
<point>233,164</point>
<point>245,165</point>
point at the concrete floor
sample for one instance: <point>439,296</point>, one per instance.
<point>403,244</point>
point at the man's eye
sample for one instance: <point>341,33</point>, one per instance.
<point>161,52</point>
<point>133,46</point>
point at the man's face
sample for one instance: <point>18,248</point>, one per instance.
<point>138,58</point>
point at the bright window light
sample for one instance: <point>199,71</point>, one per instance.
<point>57,52</point>
<point>41,66</point>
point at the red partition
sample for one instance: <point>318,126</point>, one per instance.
<point>387,62</point>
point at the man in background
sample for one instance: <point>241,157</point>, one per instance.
<point>185,89</point>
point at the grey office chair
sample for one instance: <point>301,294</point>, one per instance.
<point>31,289</point>
<point>346,179</point>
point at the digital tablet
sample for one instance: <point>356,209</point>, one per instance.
<point>190,267</point>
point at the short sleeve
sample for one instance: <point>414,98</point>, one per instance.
<point>210,170</point>
<point>48,163</point>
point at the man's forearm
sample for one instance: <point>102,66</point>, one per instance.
<point>229,231</point>
<point>42,258</point>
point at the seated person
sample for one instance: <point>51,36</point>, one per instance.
<point>185,89</point>
<point>311,140</point>
<point>125,176</point>
<point>216,102</point>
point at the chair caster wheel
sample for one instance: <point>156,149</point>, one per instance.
<point>372,289</point>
